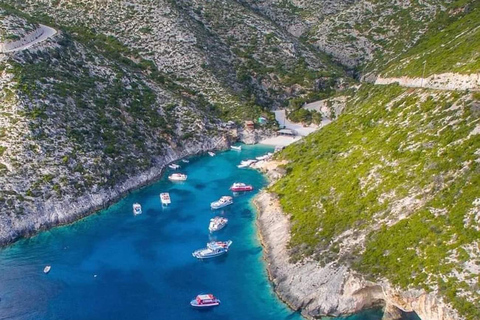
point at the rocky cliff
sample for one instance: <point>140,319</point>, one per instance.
<point>331,289</point>
<point>388,194</point>
<point>79,129</point>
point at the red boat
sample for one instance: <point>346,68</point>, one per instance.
<point>239,187</point>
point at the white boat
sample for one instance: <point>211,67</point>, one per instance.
<point>205,301</point>
<point>217,223</point>
<point>177,177</point>
<point>211,154</point>
<point>47,269</point>
<point>185,161</point>
<point>224,244</point>
<point>222,202</point>
<point>246,163</point>
<point>173,166</point>
<point>137,209</point>
<point>265,157</point>
<point>165,198</point>
<point>238,148</point>
<point>213,249</point>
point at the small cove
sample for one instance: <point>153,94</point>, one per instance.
<point>113,265</point>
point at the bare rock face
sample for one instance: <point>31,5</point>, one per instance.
<point>333,289</point>
<point>390,312</point>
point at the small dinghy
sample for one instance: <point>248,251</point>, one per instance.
<point>137,209</point>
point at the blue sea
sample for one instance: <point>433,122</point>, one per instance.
<point>114,265</point>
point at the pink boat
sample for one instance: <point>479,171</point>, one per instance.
<point>240,187</point>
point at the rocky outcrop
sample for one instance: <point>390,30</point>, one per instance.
<point>444,81</point>
<point>333,289</point>
<point>56,212</point>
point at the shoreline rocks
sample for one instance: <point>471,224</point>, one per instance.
<point>334,289</point>
<point>70,209</point>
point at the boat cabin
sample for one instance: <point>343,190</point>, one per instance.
<point>205,298</point>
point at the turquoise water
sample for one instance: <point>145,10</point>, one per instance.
<point>113,265</point>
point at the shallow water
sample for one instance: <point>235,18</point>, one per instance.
<point>113,265</point>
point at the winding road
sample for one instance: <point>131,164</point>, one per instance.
<point>47,33</point>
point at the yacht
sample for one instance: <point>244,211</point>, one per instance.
<point>237,148</point>
<point>211,251</point>
<point>240,187</point>
<point>223,244</point>
<point>246,163</point>
<point>137,209</point>
<point>174,166</point>
<point>222,202</point>
<point>217,223</point>
<point>47,269</point>
<point>165,198</point>
<point>205,301</point>
<point>177,177</point>
<point>211,154</point>
<point>265,157</point>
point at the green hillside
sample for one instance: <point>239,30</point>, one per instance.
<point>400,168</point>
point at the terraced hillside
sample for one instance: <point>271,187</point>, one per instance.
<point>391,189</point>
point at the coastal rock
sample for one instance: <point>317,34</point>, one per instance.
<point>333,289</point>
<point>56,212</point>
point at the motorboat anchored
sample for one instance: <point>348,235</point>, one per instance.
<point>205,301</point>
<point>224,244</point>
<point>137,209</point>
<point>240,187</point>
<point>174,166</point>
<point>246,163</point>
<point>265,157</point>
<point>177,177</point>
<point>222,202</point>
<point>213,250</point>
<point>217,223</point>
<point>237,148</point>
<point>165,198</point>
<point>211,154</point>
<point>47,269</point>
<point>185,161</point>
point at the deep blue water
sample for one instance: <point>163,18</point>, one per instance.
<point>113,265</point>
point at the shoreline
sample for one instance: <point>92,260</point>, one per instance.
<point>335,289</point>
<point>66,211</point>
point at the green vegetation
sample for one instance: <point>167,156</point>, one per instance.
<point>392,148</point>
<point>452,44</point>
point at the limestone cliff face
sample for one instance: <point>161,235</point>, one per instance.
<point>333,289</point>
<point>57,211</point>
